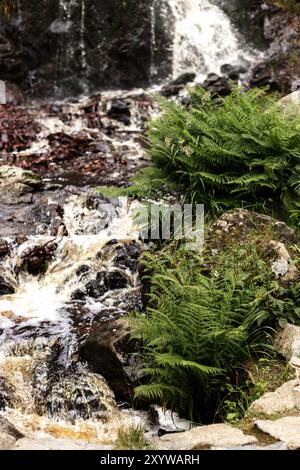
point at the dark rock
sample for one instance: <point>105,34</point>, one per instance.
<point>217,85</point>
<point>115,280</point>
<point>127,255</point>
<point>94,289</point>
<point>120,110</point>
<point>4,248</point>
<point>171,90</point>
<point>263,75</point>
<point>8,428</point>
<point>40,52</point>
<point>6,287</point>
<point>82,270</point>
<point>35,260</point>
<point>174,87</point>
<point>5,394</point>
<point>233,72</point>
<point>184,78</point>
<point>103,352</point>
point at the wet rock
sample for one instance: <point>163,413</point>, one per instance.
<point>171,90</point>
<point>217,85</point>
<point>8,428</point>
<point>82,270</point>
<point>103,351</point>
<point>6,286</point>
<point>120,110</point>
<point>4,248</point>
<point>285,399</point>
<point>127,255</point>
<point>17,185</point>
<point>115,280</point>
<point>52,443</point>
<point>175,86</point>
<point>35,259</point>
<point>263,75</point>
<point>204,437</point>
<point>80,394</point>
<point>285,429</point>
<point>184,78</point>
<point>94,289</point>
<point>233,72</point>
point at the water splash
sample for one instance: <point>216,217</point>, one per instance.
<point>204,39</point>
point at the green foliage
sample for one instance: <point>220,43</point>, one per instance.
<point>204,320</point>
<point>132,438</point>
<point>230,152</point>
<point>267,374</point>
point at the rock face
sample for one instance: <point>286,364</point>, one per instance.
<point>285,429</point>
<point>73,46</point>
<point>285,399</point>
<point>214,435</point>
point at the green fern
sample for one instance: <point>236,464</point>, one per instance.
<point>200,328</point>
<point>237,151</point>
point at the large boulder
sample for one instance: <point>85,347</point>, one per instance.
<point>286,399</point>
<point>285,429</point>
<point>204,437</point>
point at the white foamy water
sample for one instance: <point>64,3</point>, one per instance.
<point>204,39</point>
<point>40,299</point>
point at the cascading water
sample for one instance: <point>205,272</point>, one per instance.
<point>71,51</point>
<point>203,38</point>
<point>91,277</point>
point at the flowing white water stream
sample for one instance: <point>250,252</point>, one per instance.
<point>204,39</point>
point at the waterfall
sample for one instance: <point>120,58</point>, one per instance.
<point>203,38</point>
<point>82,36</point>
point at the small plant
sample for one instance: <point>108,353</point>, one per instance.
<point>238,151</point>
<point>264,375</point>
<point>132,438</point>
